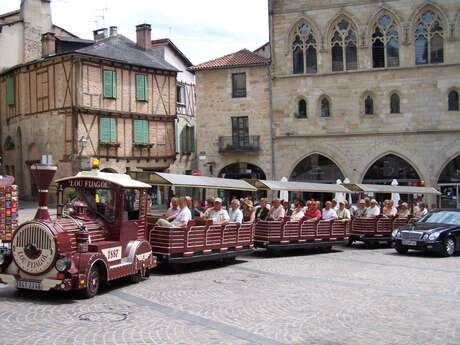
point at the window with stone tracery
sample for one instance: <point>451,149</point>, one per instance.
<point>304,50</point>
<point>344,44</point>
<point>385,43</point>
<point>429,39</point>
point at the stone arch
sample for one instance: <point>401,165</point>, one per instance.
<point>428,5</point>
<point>296,107</point>
<point>320,106</point>
<point>362,102</point>
<point>325,157</point>
<point>384,10</point>
<point>289,36</point>
<point>390,95</point>
<point>109,170</point>
<point>343,14</point>
<point>447,96</point>
<point>399,156</point>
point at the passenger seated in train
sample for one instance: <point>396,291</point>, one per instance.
<point>389,210</point>
<point>262,210</point>
<point>249,212</point>
<point>299,212</point>
<point>420,210</point>
<point>217,214</point>
<point>373,210</point>
<point>181,219</point>
<point>235,213</point>
<point>360,210</point>
<point>313,213</point>
<point>328,212</point>
<point>334,206</point>
<point>198,210</point>
<point>277,211</point>
<point>173,210</point>
<point>404,210</point>
<point>343,213</point>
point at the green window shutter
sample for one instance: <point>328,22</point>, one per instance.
<point>141,132</point>
<point>141,87</point>
<point>10,94</point>
<point>104,130</point>
<point>113,131</point>
<point>110,84</point>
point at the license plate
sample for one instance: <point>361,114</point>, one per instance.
<point>409,243</point>
<point>26,284</point>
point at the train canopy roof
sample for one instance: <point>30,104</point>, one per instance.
<point>306,187</point>
<point>163,179</point>
<point>374,188</point>
<point>122,180</point>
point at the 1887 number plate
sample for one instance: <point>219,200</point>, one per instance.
<point>30,285</point>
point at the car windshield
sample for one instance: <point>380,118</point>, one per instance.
<point>442,217</point>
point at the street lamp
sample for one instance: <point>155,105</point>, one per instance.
<point>83,141</point>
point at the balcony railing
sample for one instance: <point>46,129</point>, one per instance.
<point>249,144</point>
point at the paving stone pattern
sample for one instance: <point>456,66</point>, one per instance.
<point>349,296</point>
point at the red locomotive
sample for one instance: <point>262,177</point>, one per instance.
<point>98,236</point>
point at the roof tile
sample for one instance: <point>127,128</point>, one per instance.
<point>243,57</point>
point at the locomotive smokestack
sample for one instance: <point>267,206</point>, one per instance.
<point>43,174</point>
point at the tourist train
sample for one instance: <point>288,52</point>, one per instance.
<point>106,232</point>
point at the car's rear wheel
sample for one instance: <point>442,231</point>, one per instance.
<point>402,250</point>
<point>449,247</point>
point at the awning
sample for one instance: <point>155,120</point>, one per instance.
<point>174,180</point>
<point>374,188</point>
<point>300,187</point>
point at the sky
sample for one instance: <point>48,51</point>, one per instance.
<point>202,29</point>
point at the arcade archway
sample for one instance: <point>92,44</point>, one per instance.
<point>449,182</point>
<point>239,171</point>
<point>389,168</point>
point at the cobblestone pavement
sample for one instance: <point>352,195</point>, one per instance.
<point>349,296</point>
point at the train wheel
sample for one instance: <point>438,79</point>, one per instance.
<point>229,260</point>
<point>93,282</point>
<point>136,278</point>
<point>350,242</point>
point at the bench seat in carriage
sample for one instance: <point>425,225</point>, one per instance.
<point>286,234</point>
<point>201,242</point>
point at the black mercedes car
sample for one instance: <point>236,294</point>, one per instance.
<point>438,231</point>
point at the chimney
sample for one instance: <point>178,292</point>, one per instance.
<point>100,34</point>
<point>113,31</point>
<point>48,44</point>
<point>43,175</point>
<point>144,36</point>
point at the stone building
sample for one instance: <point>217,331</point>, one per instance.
<point>21,32</point>
<point>364,90</point>
<point>112,99</point>
<point>186,106</point>
<point>233,131</point>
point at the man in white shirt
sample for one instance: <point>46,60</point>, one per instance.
<point>217,214</point>
<point>182,218</point>
<point>277,211</point>
<point>236,216</point>
<point>374,210</point>
<point>328,212</point>
<point>173,210</point>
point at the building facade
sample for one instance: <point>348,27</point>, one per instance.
<point>111,99</point>
<point>233,128</point>
<point>361,90</point>
<point>185,128</point>
<point>21,32</point>
<point>366,90</point>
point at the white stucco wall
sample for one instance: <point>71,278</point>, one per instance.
<point>11,45</point>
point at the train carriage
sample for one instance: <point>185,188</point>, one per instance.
<point>200,241</point>
<point>286,234</point>
<point>379,230</point>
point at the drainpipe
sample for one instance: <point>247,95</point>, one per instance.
<point>270,88</point>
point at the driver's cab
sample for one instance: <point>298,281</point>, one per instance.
<point>114,200</point>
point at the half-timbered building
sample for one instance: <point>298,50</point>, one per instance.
<point>112,99</point>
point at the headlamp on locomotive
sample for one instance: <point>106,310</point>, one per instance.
<point>97,236</point>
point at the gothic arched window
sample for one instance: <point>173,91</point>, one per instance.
<point>429,39</point>
<point>325,107</point>
<point>453,101</point>
<point>344,47</point>
<point>369,106</point>
<point>395,106</point>
<point>385,43</point>
<point>304,50</point>
<point>302,109</point>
